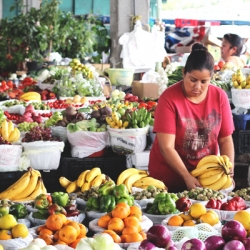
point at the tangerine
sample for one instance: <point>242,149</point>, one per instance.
<point>83,231</point>
<point>134,237</point>
<point>186,216</point>
<point>175,220</point>
<point>116,224</point>
<point>114,235</point>
<point>54,222</point>
<point>208,218</point>
<point>120,212</point>
<point>103,221</point>
<point>196,210</point>
<point>131,221</point>
<point>64,217</point>
<point>45,231</point>
<point>47,238</point>
<point>189,223</point>
<point>215,214</point>
<point>74,243</point>
<point>5,234</point>
<point>130,230</point>
<point>143,234</point>
<point>134,210</point>
<point>75,225</point>
<point>123,204</point>
<point>68,234</point>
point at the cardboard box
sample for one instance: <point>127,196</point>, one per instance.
<point>149,90</point>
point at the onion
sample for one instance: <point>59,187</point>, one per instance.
<point>214,242</point>
<point>246,243</point>
<point>233,230</point>
<point>234,245</point>
<point>158,235</point>
<point>193,244</point>
<point>146,245</point>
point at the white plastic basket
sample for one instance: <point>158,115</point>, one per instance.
<point>9,157</point>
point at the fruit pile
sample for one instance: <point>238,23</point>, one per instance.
<point>8,132</point>
<point>123,224</point>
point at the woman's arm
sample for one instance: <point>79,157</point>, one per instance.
<point>166,144</point>
<point>226,147</point>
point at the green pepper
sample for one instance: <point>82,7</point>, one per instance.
<point>129,200</point>
<point>18,210</point>
<point>121,191</point>
<point>107,203</point>
<point>159,197</point>
<point>41,214</point>
<point>167,205</point>
<point>4,209</point>
<point>42,201</point>
<point>106,188</point>
<point>60,198</point>
<point>93,203</point>
<point>174,196</point>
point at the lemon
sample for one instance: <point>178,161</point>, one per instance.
<point>7,221</point>
<point>197,210</point>
<point>243,217</point>
<point>208,218</point>
<point>20,230</point>
<point>215,214</point>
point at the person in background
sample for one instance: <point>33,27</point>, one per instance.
<point>232,48</point>
<point>193,119</point>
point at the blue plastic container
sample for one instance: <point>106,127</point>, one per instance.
<point>240,121</point>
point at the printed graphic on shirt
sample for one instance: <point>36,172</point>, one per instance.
<point>200,134</point>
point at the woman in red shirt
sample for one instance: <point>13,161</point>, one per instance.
<point>193,119</point>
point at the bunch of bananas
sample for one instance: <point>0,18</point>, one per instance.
<point>30,96</point>
<point>9,132</point>
<point>115,121</point>
<point>240,81</point>
<point>26,188</point>
<point>213,172</point>
<point>133,177</point>
<point>87,179</point>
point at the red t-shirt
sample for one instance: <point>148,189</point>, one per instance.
<point>197,128</point>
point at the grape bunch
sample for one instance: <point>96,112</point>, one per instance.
<point>26,126</point>
<point>4,142</point>
<point>40,133</point>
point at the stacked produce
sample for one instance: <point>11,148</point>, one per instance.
<point>18,210</point>
<point>30,96</point>
<point>8,132</point>
<point>133,177</point>
<point>214,172</point>
<point>240,81</point>
<point>26,188</point>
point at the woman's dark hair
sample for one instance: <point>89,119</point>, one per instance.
<point>199,59</point>
<point>235,41</point>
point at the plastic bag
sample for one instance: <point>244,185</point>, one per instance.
<point>85,143</point>
<point>16,243</point>
<point>9,157</point>
<point>241,98</point>
<point>43,155</point>
<point>19,109</point>
<point>60,132</point>
<point>128,141</point>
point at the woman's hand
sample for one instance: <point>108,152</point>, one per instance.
<point>192,182</point>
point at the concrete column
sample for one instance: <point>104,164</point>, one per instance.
<point>1,9</point>
<point>121,13</point>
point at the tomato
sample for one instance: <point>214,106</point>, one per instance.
<point>216,68</point>
<point>143,105</point>
<point>221,64</point>
<point>3,83</point>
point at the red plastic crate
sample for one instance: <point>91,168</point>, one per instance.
<point>212,23</point>
<point>179,23</point>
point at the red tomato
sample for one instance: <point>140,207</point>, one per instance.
<point>143,105</point>
<point>221,64</point>
<point>216,68</point>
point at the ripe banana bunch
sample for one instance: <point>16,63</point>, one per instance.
<point>133,177</point>
<point>240,81</point>
<point>31,96</point>
<point>26,188</point>
<point>213,172</point>
<point>9,132</point>
<point>86,180</point>
<point>115,122</point>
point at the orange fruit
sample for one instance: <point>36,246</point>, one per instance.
<point>83,231</point>
<point>47,238</point>
<point>103,221</point>
<point>208,218</point>
<point>243,217</point>
<point>123,204</point>
<point>123,238</point>
<point>134,237</point>
<point>40,228</point>
<point>5,234</point>
<point>54,222</point>
<point>64,218</point>
<point>130,230</point>
<point>143,234</point>
<point>186,216</point>
<point>189,223</point>
<point>68,234</point>
<point>138,216</point>
<point>114,235</point>
<point>196,210</point>
<point>134,210</point>
<point>56,236</point>
<point>175,220</point>
<point>131,221</point>
<point>215,214</point>
<point>75,225</point>
<point>74,243</point>
<point>60,242</point>
<point>116,224</point>
<point>120,212</point>
<point>45,231</point>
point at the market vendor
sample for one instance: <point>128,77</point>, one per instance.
<point>232,49</point>
<point>192,119</point>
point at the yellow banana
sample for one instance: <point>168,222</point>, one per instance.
<point>208,159</point>
<point>37,171</point>
<point>99,179</point>
<point>211,173</point>
<point>115,117</point>
<point>30,188</point>
<point>10,126</point>
<point>17,188</point>
<point>228,183</point>
<point>37,191</point>
<point>218,184</point>
<point>210,180</point>
<point>92,174</point>
<point>5,132</point>
<point>86,186</point>
<point>125,124</point>
<point>81,178</point>
<point>29,96</point>
<point>132,179</point>
<point>14,135</point>
<point>139,185</point>
<point>64,181</point>
<point>72,187</point>
<point>44,189</point>
<point>206,167</point>
<point>151,181</point>
<point>125,174</point>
